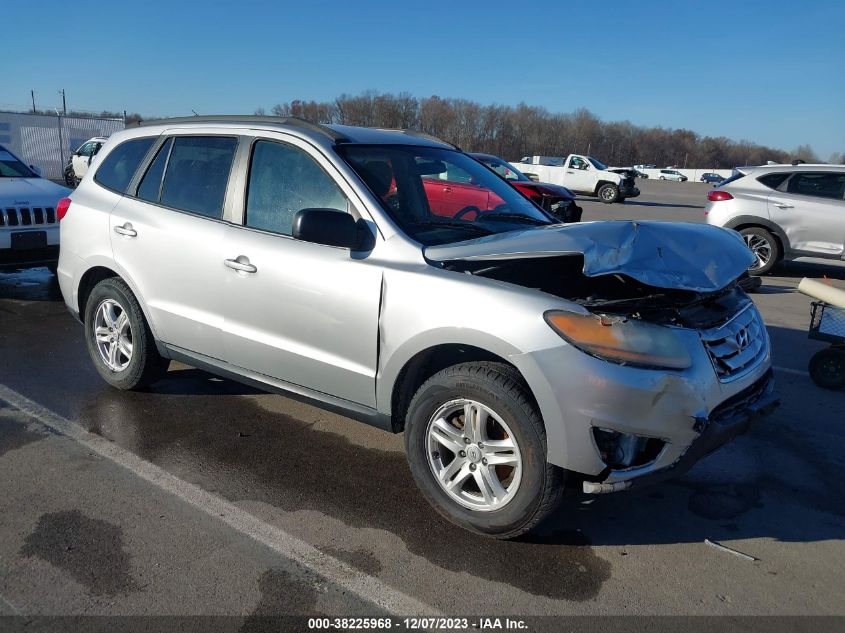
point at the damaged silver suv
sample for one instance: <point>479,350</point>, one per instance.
<point>329,263</point>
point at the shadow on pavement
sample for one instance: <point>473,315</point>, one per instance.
<point>813,270</point>
<point>34,284</point>
<point>643,203</point>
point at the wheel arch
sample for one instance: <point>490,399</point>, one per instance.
<point>426,362</point>
<point>749,221</point>
<point>602,183</point>
<point>97,273</point>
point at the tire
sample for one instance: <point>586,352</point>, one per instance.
<point>142,365</point>
<point>827,368</point>
<point>530,488</point>
<point>662,178</point>
<point>608,193</point>
<point>764,245</point>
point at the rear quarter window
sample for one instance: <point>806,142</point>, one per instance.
<point>773,181</point>
<point>117,169</point>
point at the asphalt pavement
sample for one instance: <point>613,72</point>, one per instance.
<point>202,496</point>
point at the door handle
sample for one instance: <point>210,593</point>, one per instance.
<point>126,230</point>
<point>241,263</point>
<point>447,190</point>
<point>783,205</point>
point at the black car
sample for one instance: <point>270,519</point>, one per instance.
<point>711,177</point>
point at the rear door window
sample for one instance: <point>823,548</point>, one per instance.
<point>818,184</point>
<point>117,169</point>
<point>197,174</point>
<point>150,187</point>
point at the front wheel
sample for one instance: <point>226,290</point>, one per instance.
<point>476,446</point>
<point>827,368</point>
<point>118,338</point>
<point>608,193</point>
<point>765,248</point>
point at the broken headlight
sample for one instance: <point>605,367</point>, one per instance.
<point>621,340</point>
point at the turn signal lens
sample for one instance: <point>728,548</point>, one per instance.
<point>62,208</point>
<point>621,340</point>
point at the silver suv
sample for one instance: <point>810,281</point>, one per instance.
<point>783,211</point>
<point>329,263</point>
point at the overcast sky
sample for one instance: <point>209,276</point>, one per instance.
<point>771,72</point>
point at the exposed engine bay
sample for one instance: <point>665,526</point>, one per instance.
<point>615,294</point>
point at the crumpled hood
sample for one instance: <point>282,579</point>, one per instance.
<point>670,255</point>
<point>21,192</point>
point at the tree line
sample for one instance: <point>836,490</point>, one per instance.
<point>515,131</point>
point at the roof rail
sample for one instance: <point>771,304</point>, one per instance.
<point>238,118</point>
<point>429,137</point>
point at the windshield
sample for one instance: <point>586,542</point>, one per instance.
<point>438,195</point>
<point>596,163</point>
<point>504,169</point>
<point>11,167</point>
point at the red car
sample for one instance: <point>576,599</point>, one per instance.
<point>557,200</point>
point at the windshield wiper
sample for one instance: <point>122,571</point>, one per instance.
<point>513,216</point>
<point>455,225</point>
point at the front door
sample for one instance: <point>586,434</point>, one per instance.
<point>303,313</point>
<point>579,175</point>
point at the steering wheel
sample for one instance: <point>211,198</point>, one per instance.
<point>466,211</point>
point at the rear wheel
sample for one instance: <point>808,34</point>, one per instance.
<point>119,339</point>
<point>827,368</point>
<point>765,248</point>
<point>476,446</point>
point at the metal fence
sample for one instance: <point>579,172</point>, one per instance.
<point>47,141</point>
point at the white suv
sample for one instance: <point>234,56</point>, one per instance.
<point>29,229</point>
<point>783,211</point>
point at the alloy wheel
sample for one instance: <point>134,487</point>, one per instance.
<point>473,455</point>
<point>761,248</point>
<point>113,335</point>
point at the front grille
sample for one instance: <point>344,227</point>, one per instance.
<point>736,347</point>
<point>27,216</point>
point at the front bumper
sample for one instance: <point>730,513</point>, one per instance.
<point>726,422</point>
<point>628,191</point>
<point>579,394</point>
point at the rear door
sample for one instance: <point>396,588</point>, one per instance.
<point>810,207</point>
<point>456,196</point>
<point>167,234</point>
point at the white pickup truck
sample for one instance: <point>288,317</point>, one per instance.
<point>582,174</point>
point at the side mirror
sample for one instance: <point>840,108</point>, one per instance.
<point>330,227</point>
<point>533,177</point>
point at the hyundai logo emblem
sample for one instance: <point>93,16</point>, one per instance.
<point>743,338</point>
